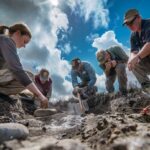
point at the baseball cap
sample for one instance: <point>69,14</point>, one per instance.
<point>130,15</point>
<point>101,56</point>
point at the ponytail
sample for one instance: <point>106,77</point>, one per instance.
<point>3,29</point>
<point>22,27</point>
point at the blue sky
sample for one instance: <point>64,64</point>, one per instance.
<point>63,29</point>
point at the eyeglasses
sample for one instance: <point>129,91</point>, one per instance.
<point>131,22</point>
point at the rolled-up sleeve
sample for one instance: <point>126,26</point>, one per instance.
<point>9,53</point>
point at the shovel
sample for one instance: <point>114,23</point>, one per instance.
<point>83,104</point>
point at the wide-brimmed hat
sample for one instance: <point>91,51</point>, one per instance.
<point>130,15</point>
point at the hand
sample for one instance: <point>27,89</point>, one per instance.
<point>132,62</point>
<point>76,89</point>
<point>113,63</point>
<point>108,65</point>
<point>43,101</point>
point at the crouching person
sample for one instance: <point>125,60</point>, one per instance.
<point>85,72</point>
<point>113,62</point>
<point>44,83</point>
<point>13,78</point>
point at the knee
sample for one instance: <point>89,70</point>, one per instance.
<point>120,68</point>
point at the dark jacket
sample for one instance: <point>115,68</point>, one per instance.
<point>45,88</point>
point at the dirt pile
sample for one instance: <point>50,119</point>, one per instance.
<point>113,123</point>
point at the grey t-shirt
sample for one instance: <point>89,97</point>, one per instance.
<point>9,59</point>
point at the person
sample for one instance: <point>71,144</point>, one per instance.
<point>139,61</point>
<point>85,72</point>
<point>113,61</point>
<point>13,78</point>
<point>44,83</point>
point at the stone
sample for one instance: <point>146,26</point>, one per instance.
<point>9,131</point>
<point>44,112</point>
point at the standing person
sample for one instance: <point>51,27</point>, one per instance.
<point>13,79</point>
<point>113,62</point>
<point>44,83</point>
<point>85,72</point>
<point>139,61</point>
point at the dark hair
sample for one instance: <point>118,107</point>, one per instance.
<point>22,27</point>
<point>75,62</point>
<point>43,70</point>
<point>3,29</point>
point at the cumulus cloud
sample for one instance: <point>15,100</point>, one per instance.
<point>107,40</point>
<point>100,82</point>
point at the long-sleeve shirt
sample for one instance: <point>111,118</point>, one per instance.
<point>9,60</point>
<point>86,74</point>
<point>117,54</point>
<point>45,88</point>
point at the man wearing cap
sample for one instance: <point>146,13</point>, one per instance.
<point>44,83</point>
<point>113,61</point>
<point>86,73</point>
<point>139,61</point>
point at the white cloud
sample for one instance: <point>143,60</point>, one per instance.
<point>94,10</point>
<point>100,82</point>
<point>67,48</point>
<point>132,81</point>
<point>107,40</point>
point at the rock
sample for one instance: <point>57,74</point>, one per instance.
<point>9,131</point>
<point>44,112</point>
<point>119,147</point>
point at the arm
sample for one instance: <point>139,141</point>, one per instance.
<point>145,51</point>
<point>74,78</point>
<point>105,69</point>
<point>9,53</point>
<point>49,92</point>
<point>92,75</point>
<point>135,58</point>
<point>32,87</point>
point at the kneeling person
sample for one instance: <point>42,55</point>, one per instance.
<point>86,73</point>
<point>44,83</point>
<point>113,62</point>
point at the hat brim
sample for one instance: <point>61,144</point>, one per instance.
<point>128,20</point>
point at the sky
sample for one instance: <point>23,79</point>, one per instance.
<point>64,29</point>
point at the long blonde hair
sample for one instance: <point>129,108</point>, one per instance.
<point>22,27</point>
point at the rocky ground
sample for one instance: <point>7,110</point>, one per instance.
<point>113,123</point>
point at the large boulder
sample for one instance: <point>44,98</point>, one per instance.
<point>10,131</point>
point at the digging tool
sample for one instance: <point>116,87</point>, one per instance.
<point>83,104</point>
